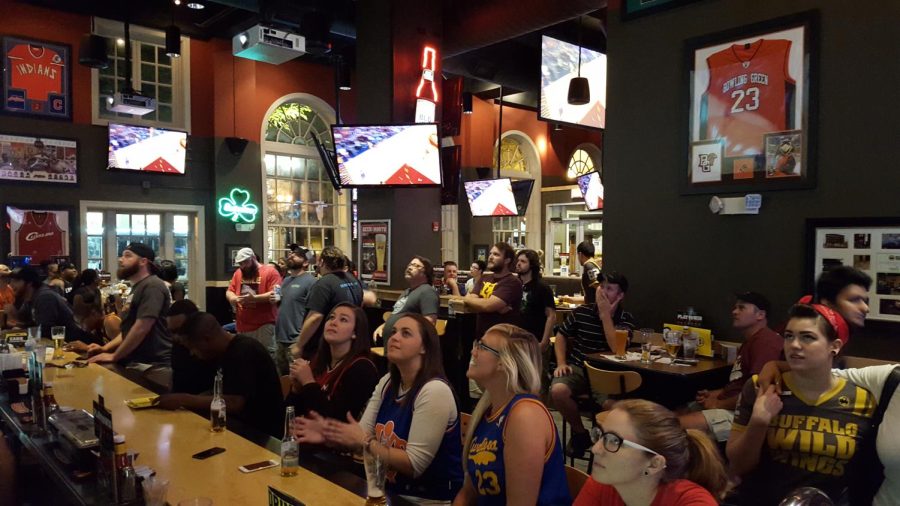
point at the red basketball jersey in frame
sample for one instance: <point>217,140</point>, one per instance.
<point>749,94</point>
<point>40,236</point>
<point>37,70</point>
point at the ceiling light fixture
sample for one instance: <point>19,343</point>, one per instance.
<point>467,102</point>
<point>173,39</point>
<point>196,4</point>
<point>343,70</point>
<point>579,88</point>
<point>177,2</point>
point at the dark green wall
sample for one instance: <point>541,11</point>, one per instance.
<point>674,251</point>
<point>97,183</point>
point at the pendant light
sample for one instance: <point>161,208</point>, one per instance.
<point>579,88</point>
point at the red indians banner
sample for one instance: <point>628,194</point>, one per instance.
<point>40,234</point>
<point>36,78</point>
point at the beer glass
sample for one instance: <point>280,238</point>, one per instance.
<point>673,342</point>
<point>621,342</point>
<point>691,341</point>
<point>59,337</point>
<point>375,477</point>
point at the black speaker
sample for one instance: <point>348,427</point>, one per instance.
<point>92,51</point>
<point>451,162</point>
<point>236,145</point>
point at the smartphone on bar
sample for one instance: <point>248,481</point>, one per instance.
<point>257,466</point>
<point>205,454</point>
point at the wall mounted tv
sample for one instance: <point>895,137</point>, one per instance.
<point>522,193</point>
<point>147,149</point>
<point>491,197</point>
<point>559,64</point>
<point>388,155</point>
<point>592,190</point>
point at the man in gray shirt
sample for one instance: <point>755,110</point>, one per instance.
<point>420,297</point>
<point>144,342</point>
<point>292,310</point>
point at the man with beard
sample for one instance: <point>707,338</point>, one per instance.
<point>420,297</point>
<point>144,343</point>
<point>450,282</point>
<point>497,296</point>
<point>67,273</point>
<point>294,295</point>
<point>42,304</point>
<point>538,307</point>
<point>249,294</point>
<point>334,285</point>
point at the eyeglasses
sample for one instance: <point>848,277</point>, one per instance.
<point>612,441</point>
<point>481,346</point>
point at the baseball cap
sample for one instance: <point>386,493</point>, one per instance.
<point>243,254</point>
<point>756,299</point>
<point>4,270</point>
<point>142,250</point>
<point>28,274</point>
<point>301,251</point>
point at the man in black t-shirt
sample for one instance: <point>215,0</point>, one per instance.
<point>189,374</point>
<point>333,287</point>
<point>498,296</point>
<point>251,386</point>
<point>590,274</point>
<point>538,308</point>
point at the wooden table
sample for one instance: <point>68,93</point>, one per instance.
<point>166,440</point>
<point>667,384</point>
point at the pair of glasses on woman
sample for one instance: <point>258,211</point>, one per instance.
<point>612,441</point>
<point>479,344</point>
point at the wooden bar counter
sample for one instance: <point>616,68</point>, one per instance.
<point>166,440</point>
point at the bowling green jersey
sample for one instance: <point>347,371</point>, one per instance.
<point>809,443</point>
<point>485,463</point>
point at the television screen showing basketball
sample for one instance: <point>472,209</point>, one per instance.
<point>40,234</point>
<point>749,99</point>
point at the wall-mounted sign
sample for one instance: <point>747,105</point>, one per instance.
<point>426,92</point>
<point>375,250</point>
<point>36,80</point>
<point>237,207</point>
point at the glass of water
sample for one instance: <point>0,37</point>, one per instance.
<point>58,333</point>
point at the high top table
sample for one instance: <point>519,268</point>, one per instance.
<point>166,440</point>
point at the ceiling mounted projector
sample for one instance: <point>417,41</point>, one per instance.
<point>269,45</point>
<point>130,103</point>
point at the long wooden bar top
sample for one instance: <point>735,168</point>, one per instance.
<point>166,440</point>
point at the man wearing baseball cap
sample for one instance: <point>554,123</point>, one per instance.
<point>761,344</point>
<point>42,304</point>
<point>144,342</point>
<point>292,311</point>
<point>249,294</point>
<point>7,297</point>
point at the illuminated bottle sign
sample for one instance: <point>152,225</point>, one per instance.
<point>426,92</point>
<point>237,207</point>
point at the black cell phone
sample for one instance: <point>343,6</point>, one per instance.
<point>205,454</point>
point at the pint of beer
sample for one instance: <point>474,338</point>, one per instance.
<point>380,250</point>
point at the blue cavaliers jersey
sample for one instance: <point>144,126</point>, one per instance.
<point>484,462</point>
<point>443,477</point>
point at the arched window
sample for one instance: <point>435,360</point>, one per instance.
<point>519,160</point>
<point>585,158</point>
<point>301,205</point>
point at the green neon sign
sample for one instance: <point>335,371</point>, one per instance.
<point>237,207</point>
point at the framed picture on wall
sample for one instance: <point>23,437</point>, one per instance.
<point>636,8</point>
<point>752,108</point>
<point>38,80</point>
<point>38,159</point>
<point>480,252</point>
<point>41,232</point>
<point>374,251</point>
<point>871,245</point>
<point>230,253</point>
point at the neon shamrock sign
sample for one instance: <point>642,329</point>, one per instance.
<point>237,207</point>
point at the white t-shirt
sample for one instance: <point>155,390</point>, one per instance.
<point>887,443</point>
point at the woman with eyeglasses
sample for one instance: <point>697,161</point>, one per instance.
<point>512,451</point>
<point>411,421</point>
<point>642,456</point>
<point>807,436</point>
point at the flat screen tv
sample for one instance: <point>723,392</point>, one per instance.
<point>147,149</point>
<point>592,190</point>
<point>388,155</point>
<point>522,193</point>
<point>491,197</point>
<point>559,64</point>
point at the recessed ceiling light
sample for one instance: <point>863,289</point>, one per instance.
<point>196,4</point>
<point>120,42</point>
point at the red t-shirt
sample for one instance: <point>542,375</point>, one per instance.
<point>7,296</point>
<point>759,349</point>
<point>673,493</point>
<point>248,318</point>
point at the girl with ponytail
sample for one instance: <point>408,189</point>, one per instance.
<point>644,457</point>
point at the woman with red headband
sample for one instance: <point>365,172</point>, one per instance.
<point>806,436</point>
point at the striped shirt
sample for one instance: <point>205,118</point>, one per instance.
<point>583,330</point>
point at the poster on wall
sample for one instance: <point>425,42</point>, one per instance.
<point>37,159</point>
<point>752,109</point>
<point>37,80</point>
<point>871,245</point>
<point>375,251</point>
<point>38,233</point>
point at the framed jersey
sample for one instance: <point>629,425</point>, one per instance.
<point>37,78</point>
<point>39,233</point>
<point>752,111</point>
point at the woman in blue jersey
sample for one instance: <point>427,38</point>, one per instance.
<point>512,451</point>
<point>411,420</point>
